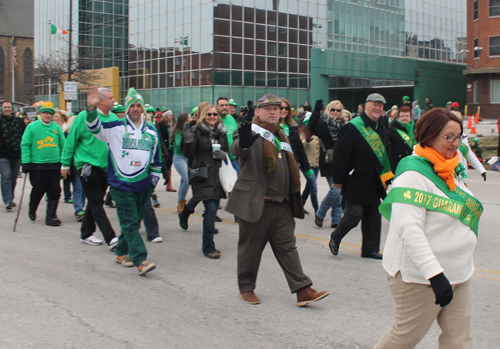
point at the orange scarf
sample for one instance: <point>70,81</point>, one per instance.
<point>443,168</point>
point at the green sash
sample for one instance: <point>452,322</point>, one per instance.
<point>405,137</point>
<point>458,204</point>
<point>374,141</point>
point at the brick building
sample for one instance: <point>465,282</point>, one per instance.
<point>483,57</point>
<point>16,20</point>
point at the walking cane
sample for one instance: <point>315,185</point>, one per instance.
<point>20,202</point>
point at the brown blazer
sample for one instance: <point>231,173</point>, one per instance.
<point>247,198</point>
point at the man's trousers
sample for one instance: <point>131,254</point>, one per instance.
<point>276,226</point>
<point>95,187</point>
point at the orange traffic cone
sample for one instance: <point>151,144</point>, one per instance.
<point>473,128</point>
<point>469,123</point>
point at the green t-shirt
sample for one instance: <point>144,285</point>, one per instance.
<point>231,125</point>
<point>42,144</point>
<point>83,146</point>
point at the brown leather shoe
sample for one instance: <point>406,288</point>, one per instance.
<point>250,297</point>
<point>308,295</point>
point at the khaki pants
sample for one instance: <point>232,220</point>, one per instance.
<point>415,312</point>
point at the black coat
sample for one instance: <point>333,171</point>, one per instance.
<point>298,148</point>
<point>319,128</point>
<point>356,167</point>
<point>199,152</point>
<point>397,145</point>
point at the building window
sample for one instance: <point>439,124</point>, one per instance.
<point>475,92</point>
<point>495,91</point>
<point>494,8</point>
<point>476,9</point>
<point>272,24</point>
<point>271,49</point>
<point>476,44</point>
<point>494,46</point>
<point>282,50</point>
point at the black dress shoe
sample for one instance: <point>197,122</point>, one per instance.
<point>218,219</point>
<point>334,225</point>
<point>318,221</point>
<point>374,255</point>
<point>334,247</point>
<point>32,215</point>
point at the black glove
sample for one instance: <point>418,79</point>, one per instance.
<point>319,106</point>
<point>251,111</point>
<point>220,155</point>
<point>246,136</point>
<point>484,175</point>
<point>26,168</point>
<point>442,289</point>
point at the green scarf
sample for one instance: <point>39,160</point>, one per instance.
<point>407,136</point>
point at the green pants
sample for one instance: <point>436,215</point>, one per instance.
<point>130,208</point>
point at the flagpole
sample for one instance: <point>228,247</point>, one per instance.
<point>13,75</point>
<point>50,62</point>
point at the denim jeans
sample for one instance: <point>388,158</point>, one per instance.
<point>311,188</point>
<point>150,222</point>
<point>181,165</point>
<point>236,166</point>
<point>78,195</point>
<point>9,168</point>
<point>211,207</point>
<point>332,200</point>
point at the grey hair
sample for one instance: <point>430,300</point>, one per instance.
<point>101,90</point>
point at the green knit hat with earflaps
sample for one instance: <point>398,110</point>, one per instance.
<point>133,97</point>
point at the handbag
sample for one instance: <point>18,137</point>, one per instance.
<point>328,153</point>
<point>198,174</point>
<point>227,175</point>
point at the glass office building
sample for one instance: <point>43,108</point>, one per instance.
<point>99,35</point>
<point>183,52</point>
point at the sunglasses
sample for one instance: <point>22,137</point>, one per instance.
<point>284,108</point>
<point>337,110</point>
<point>212,114</point>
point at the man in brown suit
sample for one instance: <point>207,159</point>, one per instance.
<point>266,198</point>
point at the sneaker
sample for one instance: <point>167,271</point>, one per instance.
<point>124,260</point>
<point>79,216</point>
<point>113,243</point>
<point>69,201</point>
<point>158,239</point>
<point>145,267</point>
<point>155,200</point>
<point>91,240</point>
<point>10,206</point>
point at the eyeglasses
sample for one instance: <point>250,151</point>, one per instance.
<point>451,139</point>
<point>212,114</point>
<point>284,108</point>
<point>337,110</point>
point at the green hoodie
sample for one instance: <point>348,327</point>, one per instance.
<point>83,147</point>
<point>42,144</point>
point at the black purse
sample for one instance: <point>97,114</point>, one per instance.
<point>198,174</point>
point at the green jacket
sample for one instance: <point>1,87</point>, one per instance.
<point>83,147</point>
<point>42,144</point>
<point>177,144</point>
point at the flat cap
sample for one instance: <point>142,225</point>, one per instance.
<point>375,97</point>
<point>268,99</point>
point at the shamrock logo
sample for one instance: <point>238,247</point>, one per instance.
<point>124,153</point>
<point>467,218</point>
<point>407,195</point>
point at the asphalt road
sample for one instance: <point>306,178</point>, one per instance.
<point>58,293</point>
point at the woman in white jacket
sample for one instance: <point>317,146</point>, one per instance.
<point>432,237</point>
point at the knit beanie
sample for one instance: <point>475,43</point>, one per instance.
<point>133,97</point>
<point>47,108</point>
